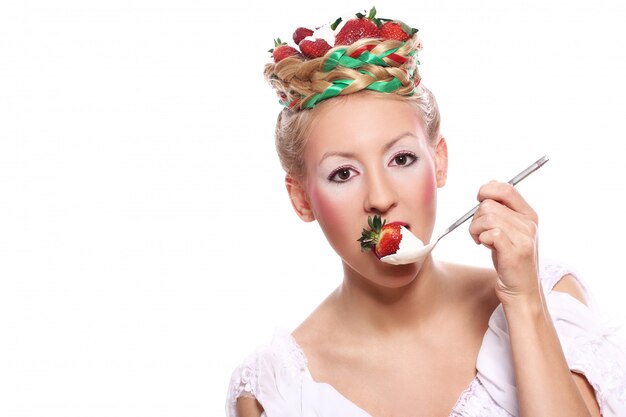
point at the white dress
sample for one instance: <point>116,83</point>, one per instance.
<point>278,377</point>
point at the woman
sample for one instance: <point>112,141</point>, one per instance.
<point>359,137</point>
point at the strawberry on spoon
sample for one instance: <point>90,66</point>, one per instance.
<point>391,242</point>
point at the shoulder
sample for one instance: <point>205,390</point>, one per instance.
<point>243,387</point>
<point>564,279</point>
<point>474,280</point>
<point>279,358</point>
<point>248,407</point>
<point>569,284</point>
<point>554,276</point>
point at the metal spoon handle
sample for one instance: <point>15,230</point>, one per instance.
<point>516,179</point>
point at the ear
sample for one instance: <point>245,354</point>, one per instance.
<point>441,161</point>
<point>299,199</point>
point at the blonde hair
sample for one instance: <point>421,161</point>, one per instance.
<point>297,82</point>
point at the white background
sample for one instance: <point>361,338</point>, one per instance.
<point>146,241</point>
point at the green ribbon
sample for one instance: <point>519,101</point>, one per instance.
<point>385,86</point>
<point>339,85</point>
<point>332,91</point>
<point>390,51</point>
<point>339,57</point>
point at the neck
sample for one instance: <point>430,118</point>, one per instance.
<point>370,308</point>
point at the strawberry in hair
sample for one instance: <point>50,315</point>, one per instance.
<point>359,28</point>
<point>301,33</point>
<point>314,49</point>
<point>394,29</point>
<point>282,50</point>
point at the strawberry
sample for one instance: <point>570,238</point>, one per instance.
<point>394,30</point>
<point>383,237</point>
<point>359,28</point>
<point>314,49</point>
<point>300,34</point>
<point>282,50</point>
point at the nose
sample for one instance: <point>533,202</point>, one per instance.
<point>381,195</point>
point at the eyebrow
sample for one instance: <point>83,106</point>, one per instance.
<point>387,146</point>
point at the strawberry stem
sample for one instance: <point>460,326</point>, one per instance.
<point>372,13</point>
<point>334,25</point>
<point>369,238</point>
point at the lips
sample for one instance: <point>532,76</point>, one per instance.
<point>401,223</point>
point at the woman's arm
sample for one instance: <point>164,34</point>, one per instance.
<point>569,285</point>
<point>546,386</point>
<point>248,407</point>
<point>507,225</point>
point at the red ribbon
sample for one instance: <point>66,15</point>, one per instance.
<point>357,53</point>
<point>399,59</point>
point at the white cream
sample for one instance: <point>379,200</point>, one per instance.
<point>325,32</point>
<point>411,249</point>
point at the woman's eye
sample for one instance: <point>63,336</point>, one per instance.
<point>341,175</point>
<point>404,159</point>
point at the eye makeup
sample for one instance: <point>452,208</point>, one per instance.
<point>341,174</point>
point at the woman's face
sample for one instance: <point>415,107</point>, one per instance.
<point>367,155</point>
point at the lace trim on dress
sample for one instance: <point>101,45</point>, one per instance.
<point>476,402</point>
<point>243,383</point>
<point>590,356</point>
<point>551,273</point>
<point>245,379</point>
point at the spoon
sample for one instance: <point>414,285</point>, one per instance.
<point>416,252</point>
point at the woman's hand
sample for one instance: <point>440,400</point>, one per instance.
<point>507,225</point>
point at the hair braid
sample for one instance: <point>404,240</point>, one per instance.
<point>297,81</point>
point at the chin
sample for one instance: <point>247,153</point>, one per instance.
<point>384,275</point>
<point>397,276</point>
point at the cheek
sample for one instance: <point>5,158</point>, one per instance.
<point>424,203</point>
<point>429,189</point>
<point>424,198</point>
<point>327,206</point>
<point>337,215</point>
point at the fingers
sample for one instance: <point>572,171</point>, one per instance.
<point>494,215</point>
<point>504,220</point>
<point>495,239</point>
<point>507,195</point>
<point>507,225</point>
<point>508,245</point>
<point>511,236</point>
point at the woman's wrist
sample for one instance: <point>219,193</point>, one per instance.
<point>524,307</point>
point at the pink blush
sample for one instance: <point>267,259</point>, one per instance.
<point>323,206</point>
<point>429,188</point>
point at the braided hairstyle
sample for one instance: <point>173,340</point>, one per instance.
<point>368,66</point>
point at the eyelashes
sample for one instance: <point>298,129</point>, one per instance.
<point>404,158</point>
<point>345,173</point>
<point>342,174</point>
